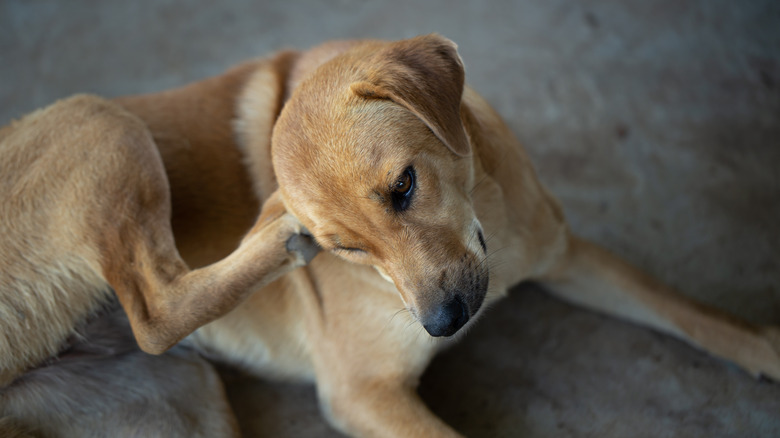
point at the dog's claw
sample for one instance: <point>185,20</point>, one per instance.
<point>303,244</point>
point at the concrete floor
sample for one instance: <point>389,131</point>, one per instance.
<point>657,123</point>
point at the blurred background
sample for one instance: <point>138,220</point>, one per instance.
<point>656,123</point>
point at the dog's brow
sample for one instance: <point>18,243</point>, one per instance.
<point>376,195</point>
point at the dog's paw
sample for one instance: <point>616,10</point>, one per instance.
<point>303,244</point>
<point>282,240</point>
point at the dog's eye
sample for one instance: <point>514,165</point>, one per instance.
<point>351,250</point>
<point>404,184</point>
<point>402,190</point>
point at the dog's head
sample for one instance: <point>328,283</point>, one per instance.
<point>371,155</point>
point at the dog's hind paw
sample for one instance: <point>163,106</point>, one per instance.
<point>304,245</point>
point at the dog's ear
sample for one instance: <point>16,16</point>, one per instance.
<point>425,75</point>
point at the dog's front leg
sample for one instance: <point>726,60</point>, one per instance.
<point>367,353</point>
<point>591,276</point>
<point>378,407</point>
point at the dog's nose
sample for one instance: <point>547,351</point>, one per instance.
<point>448,319</point>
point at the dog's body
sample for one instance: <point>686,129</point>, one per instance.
<point>402,174</point>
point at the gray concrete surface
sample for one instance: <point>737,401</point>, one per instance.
<point>657,123</point>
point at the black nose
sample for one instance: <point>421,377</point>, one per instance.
<point>448,319</point>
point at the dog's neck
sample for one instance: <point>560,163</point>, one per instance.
<point>257,109</point>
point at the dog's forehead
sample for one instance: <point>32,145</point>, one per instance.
<point>344,133</point>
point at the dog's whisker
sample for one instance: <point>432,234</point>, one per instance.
<point>490,236</point>
<point>496,265</point>
<point>395,314</point>
<point>411,323</point>
<point>478,183</point>
<point>493,261</point>
<point>490,256</point>
<point>390,321</point>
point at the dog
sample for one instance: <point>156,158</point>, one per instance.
<point>402,174</point>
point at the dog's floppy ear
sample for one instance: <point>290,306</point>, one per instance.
<point>425,75</point>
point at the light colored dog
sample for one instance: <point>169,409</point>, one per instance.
<point>404,176</point>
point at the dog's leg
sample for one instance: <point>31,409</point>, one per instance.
<point>107,191</point>
<point>165,301</point>
<point>380,408</point>
<point>591,276</point>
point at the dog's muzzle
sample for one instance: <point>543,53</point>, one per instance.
<point>457,295</point>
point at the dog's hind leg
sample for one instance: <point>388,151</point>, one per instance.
<point>163,298</point>
<point>591,276</point>
<point>107,193</point>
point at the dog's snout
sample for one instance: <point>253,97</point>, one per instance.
<point>448,319</point>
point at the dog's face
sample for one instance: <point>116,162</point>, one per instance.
<point>372,157</point>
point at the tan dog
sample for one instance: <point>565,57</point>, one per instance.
<point>407,179</point>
